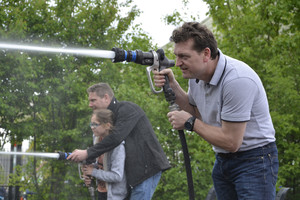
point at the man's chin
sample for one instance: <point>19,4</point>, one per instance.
<point>186,76</point>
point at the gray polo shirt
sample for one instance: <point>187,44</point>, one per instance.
<point>235,94</point>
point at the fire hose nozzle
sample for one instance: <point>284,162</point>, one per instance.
<point>156,60</point>
<point>137,56</point>
<point>63,155</point>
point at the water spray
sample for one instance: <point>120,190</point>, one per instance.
<point>79,52</point>
<point>58,156</point>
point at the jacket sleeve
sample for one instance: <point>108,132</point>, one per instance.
<point>126,116</point>
<point>116,172</point>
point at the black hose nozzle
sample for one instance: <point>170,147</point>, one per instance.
<point>143,58</point>
<point>63,155</point>
<point>137,56</point>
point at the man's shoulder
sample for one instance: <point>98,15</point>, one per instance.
<point>128,106</point>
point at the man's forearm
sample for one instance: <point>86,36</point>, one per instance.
<point>228,137</point>
<point>182,99</point>
<point>97,150</point>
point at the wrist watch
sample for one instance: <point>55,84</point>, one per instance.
<point>189,124</point>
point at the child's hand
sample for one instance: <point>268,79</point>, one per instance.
<point>88,169</point>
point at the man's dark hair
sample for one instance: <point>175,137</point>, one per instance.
<point>201,35</point>
<point>101,89</point>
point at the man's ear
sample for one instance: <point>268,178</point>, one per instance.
<point>206,54</point>
<point>107,98</point>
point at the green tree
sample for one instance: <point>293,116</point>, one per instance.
<point>44,96</point>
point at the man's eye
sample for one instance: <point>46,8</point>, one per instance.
<point>184,57</point>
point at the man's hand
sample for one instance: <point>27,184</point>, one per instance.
<point>78,155</point>
<point>159,77</point>
<point>178,118</point>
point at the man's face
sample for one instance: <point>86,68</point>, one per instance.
<point>95,102</point>
<point>192,63</point>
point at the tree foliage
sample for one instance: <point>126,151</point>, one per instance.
<point>44,95</point>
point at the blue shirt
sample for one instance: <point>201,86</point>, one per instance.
<point>235,94</point>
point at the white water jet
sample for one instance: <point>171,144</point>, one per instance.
<point>81,52</point>
<point>45,155</point>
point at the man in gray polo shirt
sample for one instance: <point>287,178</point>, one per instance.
<point>226,104</point>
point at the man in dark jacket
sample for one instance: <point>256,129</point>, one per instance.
<point>145,158</point>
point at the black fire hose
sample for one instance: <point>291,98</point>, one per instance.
<point>170,97</point>
<point>187,164</point>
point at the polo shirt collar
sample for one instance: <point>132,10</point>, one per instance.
<point>219,70</point>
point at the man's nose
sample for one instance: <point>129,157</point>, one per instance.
<point>178,62</point>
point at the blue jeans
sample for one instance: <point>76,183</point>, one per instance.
<point>145,190</point>
<point>250,175</point>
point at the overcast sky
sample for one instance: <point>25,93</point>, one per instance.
<point>154,11</point>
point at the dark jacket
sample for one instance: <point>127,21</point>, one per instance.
<point>144,154</point>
